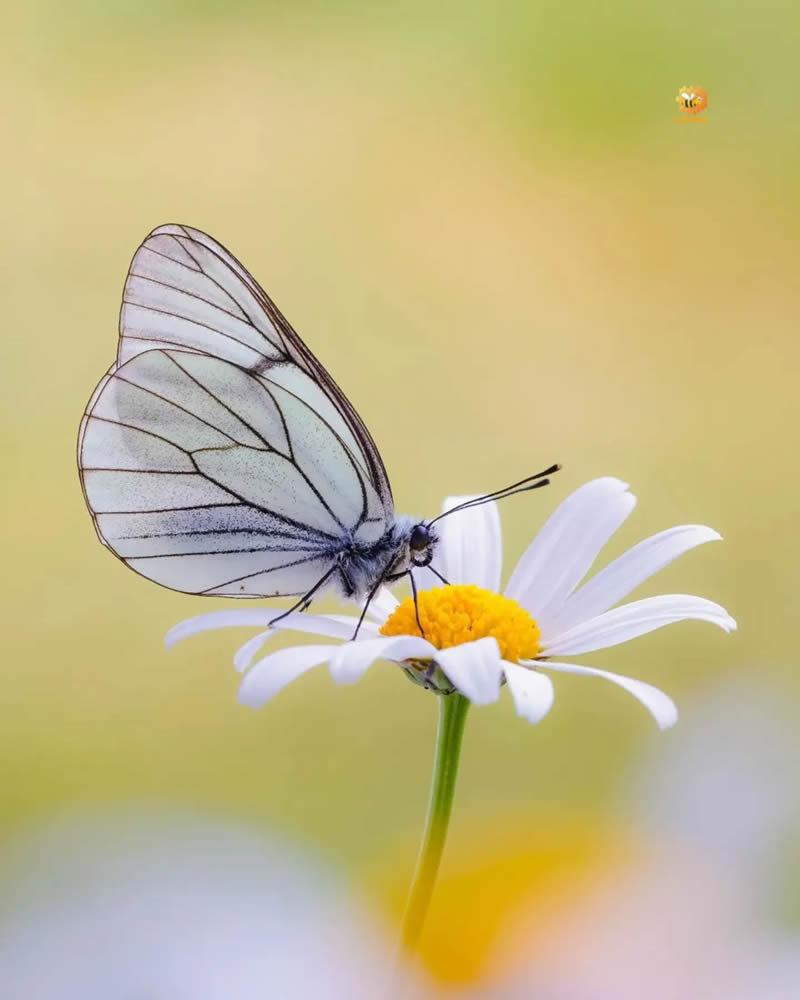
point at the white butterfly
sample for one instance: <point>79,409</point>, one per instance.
<point>219,457</point>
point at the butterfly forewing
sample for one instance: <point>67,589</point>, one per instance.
<point>186,290</point>
<point>180,293</point>
<point>218,456</point>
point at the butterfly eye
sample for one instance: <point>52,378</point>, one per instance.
<point>420,538</point>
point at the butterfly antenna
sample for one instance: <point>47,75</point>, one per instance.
<point>523,486</point>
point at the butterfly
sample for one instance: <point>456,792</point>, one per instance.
<point>218,457</point>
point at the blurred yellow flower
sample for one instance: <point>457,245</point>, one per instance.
<point>519,864</point>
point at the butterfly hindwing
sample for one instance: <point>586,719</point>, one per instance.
<point>208,478</point>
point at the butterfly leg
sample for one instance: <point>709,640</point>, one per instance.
<point>371,594</point>
<point>306,599</point>
<point>437,573</point>
<point>416,603</point>
<point>391,579</point>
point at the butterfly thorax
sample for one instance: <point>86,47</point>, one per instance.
<point>408,542</point>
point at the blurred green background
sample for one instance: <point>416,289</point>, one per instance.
<point>489,222</point>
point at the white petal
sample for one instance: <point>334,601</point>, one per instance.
<point>620,577</point>
<point>277,670</point>
<point>635,619</point>
<point>243,656</point>
<point>218,619</point>
<point>335,626</point>
<point>332,626</point>
<point>470,547</point>
<point>532,692</point>
<point>564,550</point>
<point>475,668</point>
<point>658,704</point>
<point>351,660</point>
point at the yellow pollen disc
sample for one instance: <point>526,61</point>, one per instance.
<point>460,613</point>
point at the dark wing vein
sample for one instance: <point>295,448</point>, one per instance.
<point>170,402</point>
<point>233,413</point>
<point>261,572</point>
<point>242,318</point>
<point>212,279</point>
<point>189,319</point>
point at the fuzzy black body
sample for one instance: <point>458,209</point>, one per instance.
<point>362,566</point>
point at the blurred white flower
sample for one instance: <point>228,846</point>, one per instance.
<point>177,909</point>
<point>728,785</point>
<point>693,910</point>
<point>474,637</point>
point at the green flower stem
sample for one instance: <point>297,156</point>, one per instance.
<point>452,716</point>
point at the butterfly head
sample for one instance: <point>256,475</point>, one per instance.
<point>421,544</point>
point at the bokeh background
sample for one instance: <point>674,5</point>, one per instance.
<point>490,223</point>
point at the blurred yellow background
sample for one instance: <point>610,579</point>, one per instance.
<point>488,222</point>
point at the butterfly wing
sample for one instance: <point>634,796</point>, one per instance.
<point>217,456</point>
<point>185,290</point>
<point>209,479</point>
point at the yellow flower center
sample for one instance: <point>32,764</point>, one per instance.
<point>460,613</point>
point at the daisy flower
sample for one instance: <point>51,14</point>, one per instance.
<point>475,638</point>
